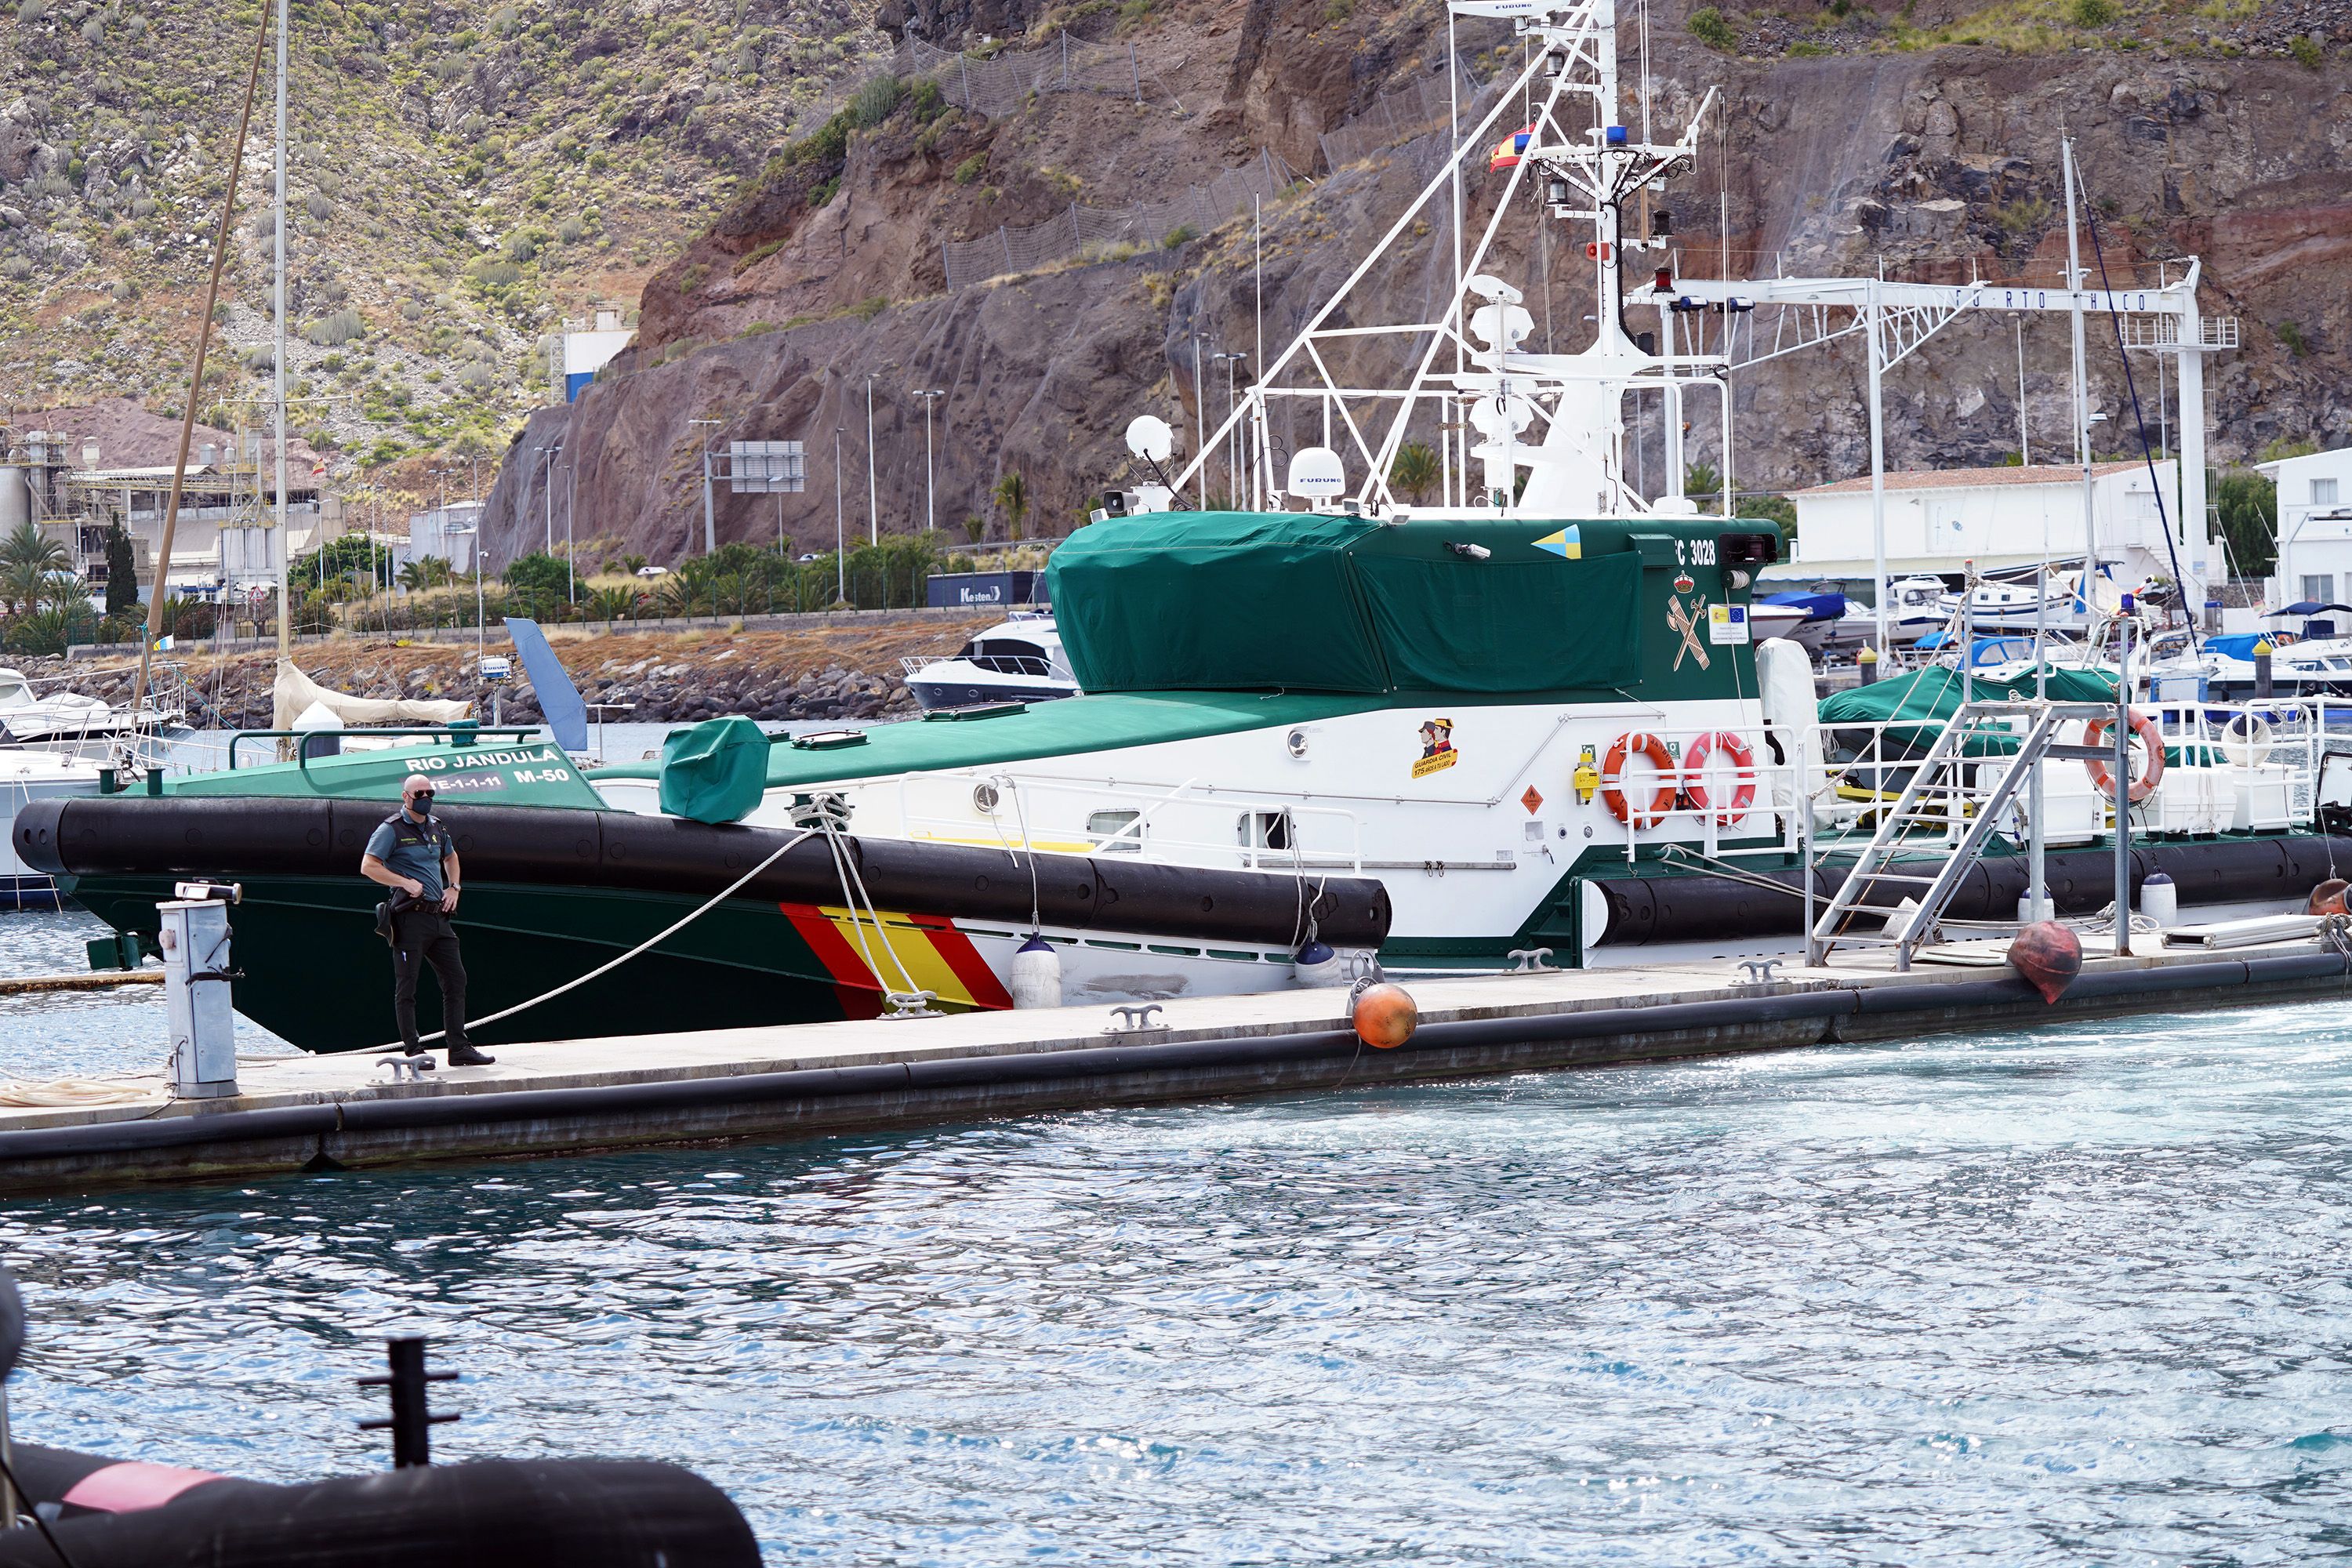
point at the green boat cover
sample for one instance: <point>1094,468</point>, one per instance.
<point>1312,602</point>
<point>1931,696</point>
<point>716,771</point>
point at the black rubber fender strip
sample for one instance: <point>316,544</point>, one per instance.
<point>394,1113</point>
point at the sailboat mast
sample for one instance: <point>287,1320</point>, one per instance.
<point>285,545</point>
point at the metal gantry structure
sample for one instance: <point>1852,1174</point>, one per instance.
<point>1546,435</point>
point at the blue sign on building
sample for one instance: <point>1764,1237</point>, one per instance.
<point>987,590</point>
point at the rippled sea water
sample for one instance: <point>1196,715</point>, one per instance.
<point>2066,1297</point>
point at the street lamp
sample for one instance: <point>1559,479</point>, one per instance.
<point>549,484</point>
<point>931,488</point>
<point>1233,438</point>
<point>709,527</point>
<point>481,618</point>
<point>840,546</point>
<point>873,504</point>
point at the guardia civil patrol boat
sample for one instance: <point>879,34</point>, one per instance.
<point>1518,719</point>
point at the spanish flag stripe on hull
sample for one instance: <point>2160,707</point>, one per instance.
<point>941,959</point>
<point>853,983</point>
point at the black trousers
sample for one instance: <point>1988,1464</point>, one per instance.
<point>420,937</point>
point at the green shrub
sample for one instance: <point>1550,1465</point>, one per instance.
<point>1183,234</point>
<point>970,169</point>
<point>2292,336</point>
<point>1708,26</point>
<point>335,330</point>
<point>2090,13</point>
<point>2306,51</point>
<point>874,103</point>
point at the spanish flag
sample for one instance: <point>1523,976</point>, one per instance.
<point>1510,150</point>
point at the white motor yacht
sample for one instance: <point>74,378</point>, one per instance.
<point>32,718</point>
<point>1019,660</point>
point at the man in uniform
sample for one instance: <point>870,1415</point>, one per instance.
<point>413,853</point>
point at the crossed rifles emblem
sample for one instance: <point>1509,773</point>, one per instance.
<point>1685,623</point>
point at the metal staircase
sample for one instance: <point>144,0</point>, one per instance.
<point>1944,814</point>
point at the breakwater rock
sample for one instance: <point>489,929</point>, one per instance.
<point>836,671</point>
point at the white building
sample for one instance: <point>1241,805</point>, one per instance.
<point>586,352</point>
<point>2315,528</point>
<point>1940,518</point>
<point>448,531</point>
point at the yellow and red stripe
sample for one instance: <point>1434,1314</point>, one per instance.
<point>941,959</point>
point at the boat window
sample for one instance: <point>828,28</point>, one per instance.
<point>1265,829</point>
<point>1115,832</point>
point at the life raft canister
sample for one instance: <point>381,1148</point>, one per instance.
<point>2102,777</point>
<point>1612,774</point>
<point>1743,787</point>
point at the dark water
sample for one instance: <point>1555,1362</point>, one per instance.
<point>2065,1298</point>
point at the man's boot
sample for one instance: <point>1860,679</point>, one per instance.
<point>466,1056</point>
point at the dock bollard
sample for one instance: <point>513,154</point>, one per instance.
<point>1866,665</point>
<point>2264,684</point>
<point>196,975</point>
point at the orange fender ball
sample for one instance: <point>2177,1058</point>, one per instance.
<point>1386,1017</point>
<point>2048,956</point>
<point>2328,898</point>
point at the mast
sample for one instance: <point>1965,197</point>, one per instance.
<point>285,542</point>
<point>2082,382</point>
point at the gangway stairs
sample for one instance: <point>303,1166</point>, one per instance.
<point>1945,814</point>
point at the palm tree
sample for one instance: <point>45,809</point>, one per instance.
<point>1413,470</point>
<point>1013,495</point>
<point>425,572</point>
<point>975,528</point>
<point>23,585</point>
<point>28,546</point>
<point>611,604</point>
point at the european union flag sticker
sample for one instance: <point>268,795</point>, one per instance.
<point>1567,543</point>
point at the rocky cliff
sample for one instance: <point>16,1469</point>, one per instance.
<point>1849,139</point>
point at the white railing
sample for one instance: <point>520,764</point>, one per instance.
<point>1185,823</point>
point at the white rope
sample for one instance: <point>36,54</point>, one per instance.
<point>63,1092</point>
<point>844,869</point>
<point>713,902</point>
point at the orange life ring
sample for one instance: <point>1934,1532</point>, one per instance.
<point>2103,778</point>
<point>1612,771</point>
<point>1743,787</point>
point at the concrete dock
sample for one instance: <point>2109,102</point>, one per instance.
<point>315,1114</point>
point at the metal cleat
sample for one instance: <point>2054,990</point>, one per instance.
<point>912,1004</point>
<point>406,1069</point>
<point>1760,970</point>
<point>1532,961</point>
<point>1134,1020</point>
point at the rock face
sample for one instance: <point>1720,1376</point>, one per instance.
<point>1937,164</point>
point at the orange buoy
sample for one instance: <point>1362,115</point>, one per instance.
<point>1612,774</point>
<point>2049,955</point>
<point>2151,740</point>
<point>2328,898</point>
<point>1386,1017</point>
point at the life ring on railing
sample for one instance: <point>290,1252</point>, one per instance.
<point>1743,788</point>
<point>1613,773</point>
<point>2103,778</point>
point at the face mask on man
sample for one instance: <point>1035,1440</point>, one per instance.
<point>421,801</point>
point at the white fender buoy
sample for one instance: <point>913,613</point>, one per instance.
<point>1035,975</point>
<point>1316,966</point>
<point>2160,901</point>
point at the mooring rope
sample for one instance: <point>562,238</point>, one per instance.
<point>713,902</point>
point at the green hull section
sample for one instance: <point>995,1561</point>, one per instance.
<point>315,973</point>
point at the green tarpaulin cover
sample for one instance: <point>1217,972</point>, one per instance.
<point>1932,696</point>
<point>715,771</point>
<point>1227,601</point>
